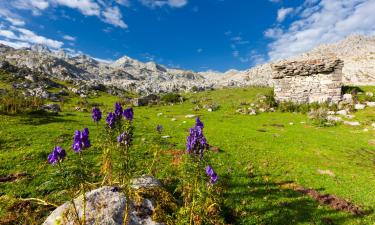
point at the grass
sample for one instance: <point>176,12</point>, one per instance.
<point>258,154</point>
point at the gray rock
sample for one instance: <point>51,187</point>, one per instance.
<point>106,205</point>
<point>352,123</point>
<point>52,108</point>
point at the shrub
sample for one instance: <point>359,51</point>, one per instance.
<point>14,102</point>
<point>172,98</point>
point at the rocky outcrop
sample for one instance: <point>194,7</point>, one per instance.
<point>318,80</point>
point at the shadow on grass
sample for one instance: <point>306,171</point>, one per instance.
<point>265,202</point>
<point>42,118</point>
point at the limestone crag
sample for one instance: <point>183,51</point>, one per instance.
<point>317,80</point>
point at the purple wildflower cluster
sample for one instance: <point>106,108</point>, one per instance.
<point>112,117</point>
<point>128,114</point>
<point>81,140</point>
<point>211,173</point>
<point>196,142</point>
<point>159,128</point>
<point>96,114</point>
<point>58,154</point>
<point>118,109</point>
<point>123,138</point>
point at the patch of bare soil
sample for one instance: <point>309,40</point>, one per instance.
<point>12,177</point>
<point>327,199</point>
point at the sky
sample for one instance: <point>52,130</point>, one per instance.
<point>198,35</point>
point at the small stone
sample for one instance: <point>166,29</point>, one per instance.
<point>370,104</point>
<point>342,112</point>
<point>291,123</point>
<point>352,123</point>
<point>190,116</point>
<point>209,109</point>
<point>173,119</point>
<point>347,98</point>
<point>334,118</point>
<point>359,106</point>
<point>165,136</point>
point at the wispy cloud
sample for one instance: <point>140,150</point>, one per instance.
<point>321,22</point>
<point>20,37</point>
<point>160,3</point>
<point>69,38</point>
<point>283,13</point>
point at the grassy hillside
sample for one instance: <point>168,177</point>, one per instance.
<point>259,155</point>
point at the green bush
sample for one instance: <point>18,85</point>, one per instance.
<point>172,98</point>
<point>13,102</point>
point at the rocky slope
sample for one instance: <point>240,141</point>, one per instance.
<point>125,73</point>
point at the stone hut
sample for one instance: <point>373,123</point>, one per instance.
<point>318,80</point>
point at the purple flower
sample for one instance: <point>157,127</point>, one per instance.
<point>81,140</point>
<point>128,114</point>
<point>198,122</point>
<point>58,154</point>
<point>196,142</point>
<point>159,128</point>
<point>123,138</point>
<point>96,114</point>
<point>118,109</point>
<point>211,173</point>
<point>85,138</point>
<point>110,120</point>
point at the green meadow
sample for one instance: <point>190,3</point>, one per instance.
<point>259,156</point>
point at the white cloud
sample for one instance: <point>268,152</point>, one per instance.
<point>87,7</point>
<point>124,2</point>
<point>21,37</point>
<point>199,50</point>
<point>323,22</point>
<point>69,38</point>
<point>282,13</point>
<point>11,17</point>
<point>112,15</point>
<point>160,3</point>
<point>104,10</point>
<point>273,32</point>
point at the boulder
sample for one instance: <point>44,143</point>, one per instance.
<point>106,205</point>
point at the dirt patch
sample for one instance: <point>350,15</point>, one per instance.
<point>12,177</point>
<point>327,199</point>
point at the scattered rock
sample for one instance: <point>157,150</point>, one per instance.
<point>334,118</point>
<point>52,108</point>
<point>342,112</point>
<point>352,123</point>
<point>347,98</point>
<point>359,106</point>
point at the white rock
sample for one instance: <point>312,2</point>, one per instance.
<point>165,136</point>
<point>342,112</point>
<point>370,104</point>
<point>209,109</point>
<point>262,110</point>
<point>352,123</point>
<point>173,119</point>
<point>190,116</point>
<point>291,123</point>
<point>347,98</point>
<point>334,118</point>
<point>145,181</point>
<point>359,106</point>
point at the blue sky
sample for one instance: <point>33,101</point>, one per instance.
<point>191,34</point>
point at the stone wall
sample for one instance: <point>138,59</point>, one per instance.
<point>318,80</point>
